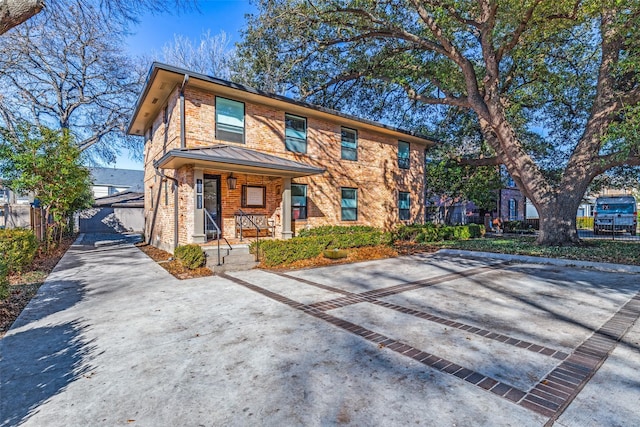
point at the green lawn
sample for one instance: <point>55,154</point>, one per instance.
<point>619,252</point>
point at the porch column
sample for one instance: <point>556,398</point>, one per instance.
<point>198,205</point>
<point>286,209</point>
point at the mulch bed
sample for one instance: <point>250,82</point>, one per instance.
<point>175,267</point>
<point>25,285</point>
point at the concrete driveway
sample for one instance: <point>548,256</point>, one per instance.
<point>437,340</point>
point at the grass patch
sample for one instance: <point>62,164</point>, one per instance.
<point>618,252</point>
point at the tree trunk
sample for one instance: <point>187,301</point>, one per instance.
<point>558,223</point>
<point>15,12</point>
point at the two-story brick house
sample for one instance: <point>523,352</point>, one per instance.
<point>213,148</point>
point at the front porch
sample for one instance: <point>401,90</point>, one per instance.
<point>231,192</point>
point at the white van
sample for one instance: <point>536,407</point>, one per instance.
<point>613,214</point>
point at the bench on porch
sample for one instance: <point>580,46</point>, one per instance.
<point>246,225</point>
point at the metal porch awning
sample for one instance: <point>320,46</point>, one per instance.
<point>230,158</point>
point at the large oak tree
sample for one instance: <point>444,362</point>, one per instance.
<point>552,85</point>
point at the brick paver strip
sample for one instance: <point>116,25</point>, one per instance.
<point>443,365</point>
<point>370,296</point>
<point>550,397</point>
<point>473,330</point>
<point>395,289</point>
<point>554,393</point>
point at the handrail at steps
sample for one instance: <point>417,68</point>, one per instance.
<point>218,233</point>
<point>242,214</point>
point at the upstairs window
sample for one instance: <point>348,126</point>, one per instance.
<point>403,155</point>
<point>298,201</point>
<point>404,205</point>
<point>349,144</point>
<point>229,120</point>
<point>349,204</point>
<point>295,134</point>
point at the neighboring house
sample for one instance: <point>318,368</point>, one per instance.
<point>121,212</point>
<point>512,205</point>
<point>109,181</point>
<point>213,148</point>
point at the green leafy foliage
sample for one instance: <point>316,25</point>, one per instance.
<point>48,164</point>
<point>426,233</point>
<point>335,229</point>
<point>4,282</point>
<point>448,182</point>
<point>278,252</point>
<point>583,222</point>
<point>547,89</point>
<point>191,256</point>
<point>619,252</point>
<point>17,248</point>
<point>517,227</point>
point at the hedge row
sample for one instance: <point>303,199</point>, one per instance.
<point>330,230</point>
<point>424,233</point>
<point>17,248</point>
<point>277,252</point>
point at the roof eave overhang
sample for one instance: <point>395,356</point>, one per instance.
<point>177,159</point>
<point>163,79</point>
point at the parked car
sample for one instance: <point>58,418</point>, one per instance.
<point>615,214</point>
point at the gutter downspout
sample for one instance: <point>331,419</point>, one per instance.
<point>175,203</point>
<point>182,112</point>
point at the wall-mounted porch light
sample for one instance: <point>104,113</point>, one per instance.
<point>231,182</point>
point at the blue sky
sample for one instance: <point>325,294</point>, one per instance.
<point>156,30</point>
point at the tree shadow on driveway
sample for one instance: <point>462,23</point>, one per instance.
<point>37,364</point>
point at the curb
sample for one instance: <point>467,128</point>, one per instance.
<point>601,266</point>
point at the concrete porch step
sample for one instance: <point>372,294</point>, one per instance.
<point>237,258</point>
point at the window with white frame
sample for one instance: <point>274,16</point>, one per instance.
<point>229,120</point>
<point>295,133</point>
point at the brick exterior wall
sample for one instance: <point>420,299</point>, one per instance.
<point>507,194</point>
<point>375,174</point>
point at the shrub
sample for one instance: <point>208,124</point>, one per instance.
<point>277,252</point>
<point>476,231</point>
<point>4,282</point>
<point>331,230</point>
<point>17,247</point>
<point>583,222</point>
<point>424,233</point>
<point>517,226</point>
<point>191,256</point>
